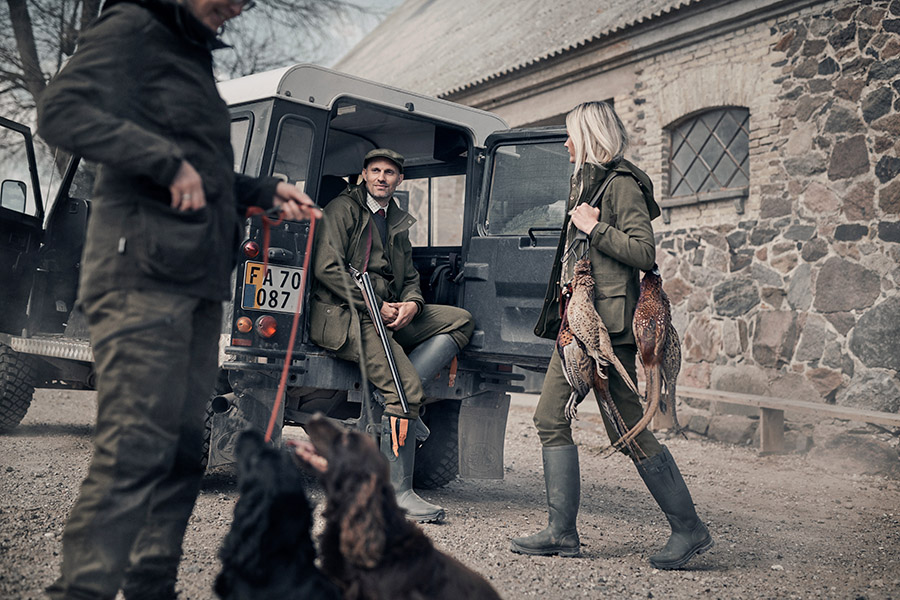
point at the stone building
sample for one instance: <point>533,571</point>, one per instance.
<point>771,130</point>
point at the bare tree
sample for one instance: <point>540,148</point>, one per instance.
<point>45,34</point>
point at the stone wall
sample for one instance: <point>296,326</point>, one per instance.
<point>797,296</point>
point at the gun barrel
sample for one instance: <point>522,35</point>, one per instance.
<point>364,282</point>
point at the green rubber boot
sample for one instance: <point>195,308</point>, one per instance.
<point>689,535</point>
<point>402,467</point>
<point>563,481</point>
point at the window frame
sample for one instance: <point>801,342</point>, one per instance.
<point>737,195</point>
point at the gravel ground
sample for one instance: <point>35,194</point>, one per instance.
<point>785,527</point>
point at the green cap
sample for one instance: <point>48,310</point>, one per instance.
<point>394,157</point>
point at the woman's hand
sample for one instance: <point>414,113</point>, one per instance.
<point>187,189</point>
<point>585,217</point>
<point>294,204</point>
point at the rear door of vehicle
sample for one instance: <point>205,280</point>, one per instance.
<point>514,235</point>
<point>282,139</point>
<point>21,223</point>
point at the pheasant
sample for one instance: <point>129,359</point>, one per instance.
<point>592,338</point>
<point>671,365</point>
<point>658,347</point>
<point>578,367</point>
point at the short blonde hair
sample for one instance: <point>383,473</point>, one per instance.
<point>597,133</point>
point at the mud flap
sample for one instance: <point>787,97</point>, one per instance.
<point>236,413</point>
<point>482,430</point>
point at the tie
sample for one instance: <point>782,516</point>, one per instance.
<point>381,223</point>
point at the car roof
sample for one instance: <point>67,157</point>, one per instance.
<point>321,87</point>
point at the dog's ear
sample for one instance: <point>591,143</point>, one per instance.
<point>362,536</point>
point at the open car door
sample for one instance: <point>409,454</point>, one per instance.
<point>21,223</point>
<point>513,240</point>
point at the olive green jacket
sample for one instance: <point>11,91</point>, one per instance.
<point>621,246</point>
<point>341,239</point>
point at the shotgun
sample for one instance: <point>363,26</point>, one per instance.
<point>364,283</point>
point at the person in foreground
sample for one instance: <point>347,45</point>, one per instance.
<point>365,229</point>
<point>140,99</point>
<point>620,244</point>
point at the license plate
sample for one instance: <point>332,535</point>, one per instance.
<point>277,291</point>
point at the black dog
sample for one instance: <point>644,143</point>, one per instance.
<point>268,554</point>
<point>368,545</point>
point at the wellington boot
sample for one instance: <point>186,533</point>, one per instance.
<point>562,478</point>
<point>402,466</point>
<point>432,355</point>
<point>689,535</point>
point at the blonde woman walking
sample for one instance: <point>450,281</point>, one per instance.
<point>620,245</point>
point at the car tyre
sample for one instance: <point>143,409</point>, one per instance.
<point>17,378</point>
<point>437,458</point>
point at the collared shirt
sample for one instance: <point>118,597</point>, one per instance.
<point>373,204</point>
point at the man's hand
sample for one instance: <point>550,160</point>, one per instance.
<point>405,313</point>
<point>294,204</point>
<point>388,312</point>
<point>187,189</point>
<point>585,217</point>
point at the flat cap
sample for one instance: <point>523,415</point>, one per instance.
<point>394,157</point>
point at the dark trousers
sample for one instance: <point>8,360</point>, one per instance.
<point>550,419</point>
<point>156,359</point>
<point>433,320</point>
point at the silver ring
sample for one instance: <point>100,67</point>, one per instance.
<point>185,196</point>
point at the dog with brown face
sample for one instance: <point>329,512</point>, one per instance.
<point>368,546</point>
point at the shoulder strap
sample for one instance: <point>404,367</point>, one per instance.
<point>595,199</point>
<point>357,239</point>
<point>365,265</point>
<point>581,237</point>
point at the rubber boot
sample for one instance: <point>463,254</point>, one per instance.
<point>432,355</point>
<point>563,481</point>
<point>402,467</point>
<point>689,535</point>
<point>429,358</point>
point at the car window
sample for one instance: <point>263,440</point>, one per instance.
<point>240,139</point>
<point>292,151</point>
<point>529,187</point>
<point>437,204</point>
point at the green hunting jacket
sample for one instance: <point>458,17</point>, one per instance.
<point>621,246</point>
<point>342,237</point>
<point>139,97</point>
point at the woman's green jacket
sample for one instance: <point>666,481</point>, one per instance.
<point>621,245</point>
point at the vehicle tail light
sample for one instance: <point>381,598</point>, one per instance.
<point>244,324</point>
<point>251,249</point>
<point>240,342</point>
<point>266,326</point>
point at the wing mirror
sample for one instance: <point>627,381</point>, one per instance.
<point>12,195</point>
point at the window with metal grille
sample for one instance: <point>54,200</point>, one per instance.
<point>709,157</point>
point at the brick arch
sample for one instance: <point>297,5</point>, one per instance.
<point>708,87</point>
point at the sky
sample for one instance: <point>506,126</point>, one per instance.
<point>346,35</point>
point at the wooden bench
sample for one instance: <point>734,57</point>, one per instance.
<point>771,413</point>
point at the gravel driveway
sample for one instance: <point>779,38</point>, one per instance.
<point>785,527</point>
